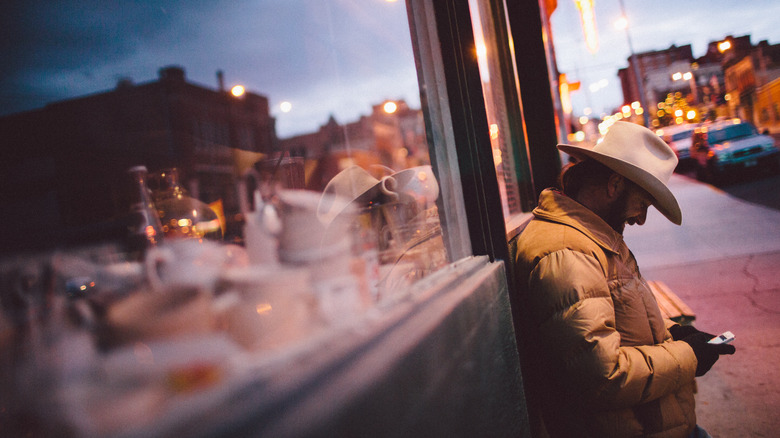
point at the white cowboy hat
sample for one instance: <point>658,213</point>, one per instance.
<point>353,185</point>
<point>640,155</point>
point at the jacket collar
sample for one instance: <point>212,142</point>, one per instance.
<point>554,206</point>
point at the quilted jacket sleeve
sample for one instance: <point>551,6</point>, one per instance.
<point>575,317</point>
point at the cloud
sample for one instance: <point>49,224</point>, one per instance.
<point>306,50</point>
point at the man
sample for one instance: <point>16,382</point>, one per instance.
<point>599,358</point>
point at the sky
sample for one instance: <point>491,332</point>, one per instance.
<point>653,25</point>
<point>325,57</point>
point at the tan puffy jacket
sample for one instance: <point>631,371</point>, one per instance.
<point>601,358</point>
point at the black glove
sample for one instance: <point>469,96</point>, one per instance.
<point>706,353</point>
<point>680,332</point>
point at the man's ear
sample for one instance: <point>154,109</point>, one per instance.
<point>615,185</point>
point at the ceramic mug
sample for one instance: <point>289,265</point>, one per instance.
<point>350,187</point>
<point>305,237</point>
<point>190,263</point>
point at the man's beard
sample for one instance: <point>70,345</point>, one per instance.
<point>616,215</point>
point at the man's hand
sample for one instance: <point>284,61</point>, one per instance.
<point>706,353</point>
<point>680,332</point>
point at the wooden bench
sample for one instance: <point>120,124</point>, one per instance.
<point>671,305</point>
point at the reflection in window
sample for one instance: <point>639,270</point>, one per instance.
<point>501,128</point>
<point>246,100</point>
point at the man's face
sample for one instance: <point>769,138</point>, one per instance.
<point>630,207</point>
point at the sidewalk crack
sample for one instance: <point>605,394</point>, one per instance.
<point>756,280</point>
<point>748,274</point>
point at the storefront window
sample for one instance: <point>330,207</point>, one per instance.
<point>499,85</point>
<point>238,98</point>
<point>255,170</point>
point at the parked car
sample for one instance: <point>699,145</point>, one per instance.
<point>679,137</point>
<point>723,146</point>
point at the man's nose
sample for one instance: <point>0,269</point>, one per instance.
<point>640,219</point>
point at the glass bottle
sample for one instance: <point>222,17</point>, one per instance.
<point>181,215</point>
<point>144,227</point>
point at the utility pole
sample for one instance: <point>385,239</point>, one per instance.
<point>634,61</point>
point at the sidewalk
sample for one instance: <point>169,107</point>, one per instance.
<point>724,263</point>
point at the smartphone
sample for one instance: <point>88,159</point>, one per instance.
<point>723,338</point>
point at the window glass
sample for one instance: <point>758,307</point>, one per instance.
<point>503,112</point>
<point>282,110</point>
<point>730,133</point>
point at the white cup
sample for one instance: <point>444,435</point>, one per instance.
<point>304,237</point>
<point>190,263</point>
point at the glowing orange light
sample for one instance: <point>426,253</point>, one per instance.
<point>237,91</point>
<point>263,308</point>
<point>588,18</point>
<point>493,131</point>
<point>723,46</point>
<point>390,107</point>
<point>497,156</point>
<point>677,76</point>
<point>150,231</point>
<point>563,85</point>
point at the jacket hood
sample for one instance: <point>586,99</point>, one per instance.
<point>554,206</point>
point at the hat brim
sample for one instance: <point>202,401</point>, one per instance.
<point>664,200</point>
<point>332,206</point>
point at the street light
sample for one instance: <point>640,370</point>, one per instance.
<point>237,91</point>
<point>390,107</point>
<point>639,85</point>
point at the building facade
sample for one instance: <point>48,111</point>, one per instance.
<point>66,161</point>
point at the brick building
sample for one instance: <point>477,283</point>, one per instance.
<point>63,165</point>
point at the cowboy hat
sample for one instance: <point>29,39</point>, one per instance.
<point>352,186</point>
<point>638,154</point>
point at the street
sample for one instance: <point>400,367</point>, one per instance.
<point>723,262</point>
<point>760,187</point>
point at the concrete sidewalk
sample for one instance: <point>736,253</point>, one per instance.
<point>724,262</point>
<point>715,225</point>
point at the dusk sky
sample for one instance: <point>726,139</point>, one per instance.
<point>325,57</point>
<point>653,25</point>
